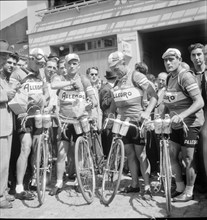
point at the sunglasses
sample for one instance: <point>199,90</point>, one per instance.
<point>38,56</point>
<point>94,74</point>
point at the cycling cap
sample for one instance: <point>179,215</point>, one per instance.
<point>38,54</point>
<point>114,58</point>
<point>72,56</point>
<point>171,52</point>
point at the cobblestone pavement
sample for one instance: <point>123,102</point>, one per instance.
<point>70,204</point>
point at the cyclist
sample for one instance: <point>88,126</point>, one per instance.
<point>197,56</point>
<point>38,95</point>
<point>184,102</point>
<point>72,87</point>
<point>128,96</point>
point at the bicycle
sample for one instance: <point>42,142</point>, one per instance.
<point>44,159</point>
<point>162,128</point>
<point>115,161</point>
<point>87,148</point>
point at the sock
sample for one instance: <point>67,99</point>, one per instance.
<point>189,190</point>
<point>59,183</point>
<point>19,188</point>
<point>147,187</point>
<point>180,186</point>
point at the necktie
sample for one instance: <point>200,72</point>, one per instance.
<point>203,88</point>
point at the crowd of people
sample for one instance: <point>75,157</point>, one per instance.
<point>53,82</point>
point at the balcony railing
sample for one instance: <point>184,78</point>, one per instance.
<point>74,5</point>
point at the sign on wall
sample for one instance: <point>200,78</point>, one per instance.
<point>126,48</point>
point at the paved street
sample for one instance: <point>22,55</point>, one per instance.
<point>70,204</point>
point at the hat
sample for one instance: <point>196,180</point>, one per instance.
<point>38,54</point>
<point>114,58</point>
<point>171,52</point>
<point>4,46</point>
<point>110,74</point>
<point>53,55</point>
<point>72,56</point>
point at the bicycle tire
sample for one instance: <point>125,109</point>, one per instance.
<point>41,168</point>
<point>167,178</point>
<point>85,169</point>
<point>50,164</point>
<point>113,171</point>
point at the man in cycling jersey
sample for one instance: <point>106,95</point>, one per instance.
<point>184,102</point>
<point>128,97</point>
<point>38,97</point>
<point>71,87</point>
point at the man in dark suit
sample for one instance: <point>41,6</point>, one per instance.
<point>8,61</point>
<point>107,107</point>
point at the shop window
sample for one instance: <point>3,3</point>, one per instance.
<point>109,42</point>
<point>78,47</point>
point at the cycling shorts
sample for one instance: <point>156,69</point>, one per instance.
<point>29,127</point>
<point>133,136</point>
<point>187,140</point>
<point>70,133</point>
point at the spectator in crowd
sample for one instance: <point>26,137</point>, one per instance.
<point>152,142</point>
<point>107,107</point>
<point>131,106</point>
<point>61,67</point>
<point>200,69</point>
<point>8,61</point>
<point>205,53</point>
<point>162,77</point>
<point>184,101</point>
<point>22,63</point>
<point>93,75</point>
<point>53,56</point>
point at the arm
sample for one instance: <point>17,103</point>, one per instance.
<point>140,80</point>
<point>57,83</point>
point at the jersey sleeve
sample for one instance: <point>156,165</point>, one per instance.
<point>190,84</point>
<point>87,86</point>
<point>140,80</point>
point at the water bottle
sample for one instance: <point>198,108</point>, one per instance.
<point>85,125</point>
<point>38,119</point>
<point>117,124</point>
<point>124,127</point>
<point>46,120</point>
<point>166,124</point>
<point>158,124</point>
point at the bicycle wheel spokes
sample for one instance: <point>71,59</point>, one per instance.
<point>41,170</point>
<point>167,177</point>
<point>85,169</point>
<point>113,172</point>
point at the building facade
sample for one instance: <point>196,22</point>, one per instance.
<point>143,30</point>
<point>13,29</point>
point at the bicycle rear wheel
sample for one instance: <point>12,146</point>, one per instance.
<point>41,166</point>
<point>85,169</point>
<point>113,171</point>
<point>167,178</point>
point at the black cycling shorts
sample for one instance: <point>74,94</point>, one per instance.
<point>70,133</point>
<point>133,136</point>
<point>190,140</point>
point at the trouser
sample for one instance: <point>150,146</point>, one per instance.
<point>5,153</point>
<point>202,153</point>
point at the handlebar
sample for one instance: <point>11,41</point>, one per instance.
<point>52,116</point>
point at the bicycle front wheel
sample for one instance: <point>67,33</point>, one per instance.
<point>41,166</point>
<point>113,171</point>
<point>85,169</point>
<point>167,177</point>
